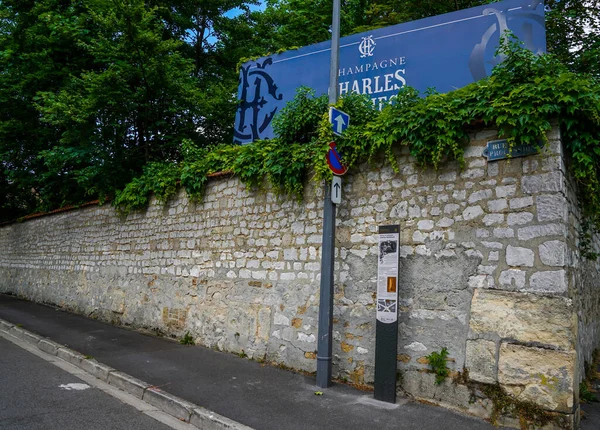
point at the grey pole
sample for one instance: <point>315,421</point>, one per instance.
<point>335,53</point>
<point>324,355</point>
<point>326,301</point>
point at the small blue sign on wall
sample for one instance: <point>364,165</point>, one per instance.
<point>339,120</point>
<point>445,52</point>
<point>500,150</point>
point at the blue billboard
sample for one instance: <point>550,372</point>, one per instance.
<point>444,52</point>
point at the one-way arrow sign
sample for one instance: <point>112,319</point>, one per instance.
<point>336,190</point>
<point>339,120</point>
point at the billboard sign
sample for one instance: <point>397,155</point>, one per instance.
<point>444,52</point>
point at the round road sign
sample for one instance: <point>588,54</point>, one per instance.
<point>334,160</point>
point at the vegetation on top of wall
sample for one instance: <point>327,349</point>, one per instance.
<point>523,94</point>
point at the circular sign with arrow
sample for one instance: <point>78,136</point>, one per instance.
<point>334,160</point>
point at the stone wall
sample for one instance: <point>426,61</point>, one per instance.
<point>584,278</point>
<point>489,269</point>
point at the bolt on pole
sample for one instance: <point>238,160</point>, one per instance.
<point>324,355</point>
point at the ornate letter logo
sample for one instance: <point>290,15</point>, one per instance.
<point>483,57</point>
<point>367,47</point>
<point>251,121</point>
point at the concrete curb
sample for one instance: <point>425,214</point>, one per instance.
<point>168,403</point>
<point>179,408</point>
<point>128,383</point>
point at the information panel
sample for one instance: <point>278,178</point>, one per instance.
<point>444,52</point>
<point>387,274</point>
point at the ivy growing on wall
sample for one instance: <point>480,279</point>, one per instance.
<point>523,94</point>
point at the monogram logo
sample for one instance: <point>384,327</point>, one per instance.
<point>483,57</point>
<point>252,121</point>
<point>367,47</point>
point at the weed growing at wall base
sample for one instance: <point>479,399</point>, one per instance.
<point>187,339</point>
<point>437,361</point>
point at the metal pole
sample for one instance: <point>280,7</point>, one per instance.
<point>324,356</point>
<point>326,302</point>
<point>335,53</point>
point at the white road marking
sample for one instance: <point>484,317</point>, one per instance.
<point>74,386</point>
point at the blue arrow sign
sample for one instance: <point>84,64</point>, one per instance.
<point>339,120</point>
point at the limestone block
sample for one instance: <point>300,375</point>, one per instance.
<point>425,225</point>
<point>480,195</point>
<point>472,173</point>
<point>451,208</point>
<point>519,218</point>
<point>506,191</point>
<point>551,281</point>
<point>527,233</point>
<point>422,385</point>
<point>502,233</point>
<point>481,360</point>
<point>482,233</point>
<point>517,256</point>
<point>551,207</point>
<point>492,219</point>
<point>459,195</point>
<point>548,182</point>
<point>497,205</point>
<point>524,317</point>
<point>507,277</point>
<point>521,202</point>
<point>493,169</point>
<point>542,376</point>
<point>400,210</point>
<point>445,222</point>
<point>553,253</point>
<point>472,212</point>
<point>419,237</point>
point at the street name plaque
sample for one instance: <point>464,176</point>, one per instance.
<point>500,150</point>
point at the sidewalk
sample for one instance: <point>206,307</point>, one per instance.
<point>259,396</point>
<point>591,409</point>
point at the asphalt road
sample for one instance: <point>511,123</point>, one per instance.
<point>35,394</point>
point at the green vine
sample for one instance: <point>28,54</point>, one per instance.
<point>586,240</point>
<point>523,94</point>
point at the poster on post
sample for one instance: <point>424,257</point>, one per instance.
<point>387,273</point>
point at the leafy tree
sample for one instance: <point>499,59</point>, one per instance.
<point>382,13</point>
<point>39,49</point>
<point>135,104</point>
<point>573,29</point>
<point>91,91</point>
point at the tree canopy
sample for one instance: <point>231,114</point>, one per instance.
<point>96,94</point>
